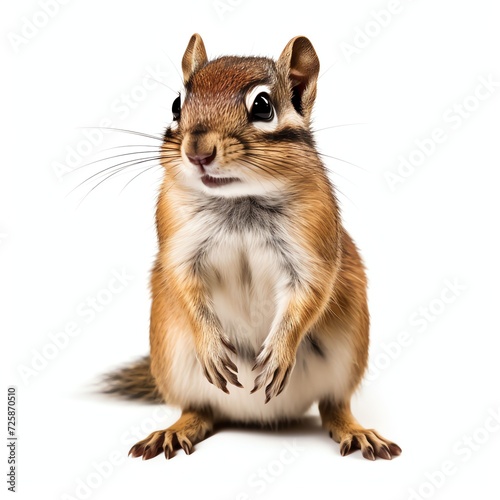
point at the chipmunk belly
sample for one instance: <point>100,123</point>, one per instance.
<point>245,278</point>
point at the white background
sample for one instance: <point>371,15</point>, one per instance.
<point>440,223</point>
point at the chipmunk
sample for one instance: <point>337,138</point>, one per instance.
<point>259,304</point>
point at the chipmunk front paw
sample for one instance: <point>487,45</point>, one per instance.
<point>216,364</point>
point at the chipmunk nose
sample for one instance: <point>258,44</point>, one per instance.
<point>202,158</point>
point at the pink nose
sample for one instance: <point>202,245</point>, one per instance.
<point>202,159</point>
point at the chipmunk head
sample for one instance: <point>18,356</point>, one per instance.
<point>241,125</point>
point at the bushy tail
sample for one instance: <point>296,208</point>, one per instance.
<point>133,382</point>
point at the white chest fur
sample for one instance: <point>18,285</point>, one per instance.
<point>245,280</point>
<point>241,250</point>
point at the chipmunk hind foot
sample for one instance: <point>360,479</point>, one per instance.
<point>192,427</point>
<point>345,430</point>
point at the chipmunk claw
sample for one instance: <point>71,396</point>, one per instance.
<point>274,373</point>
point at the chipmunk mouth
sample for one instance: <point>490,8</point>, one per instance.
<point>213,182</point>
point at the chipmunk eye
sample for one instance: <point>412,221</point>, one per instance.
<point>176,108</point>
<point>262,108</point>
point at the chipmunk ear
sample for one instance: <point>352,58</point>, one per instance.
<point>194,57</point>
<point>300,62</point>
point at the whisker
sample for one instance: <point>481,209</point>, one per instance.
<point>268,167</point>
<point>112,174</point>
<point>175,68</point>
<point>118,168</point>
<point>137,175</point>
<point>248,162</point>
<point>165,85</point>
<point>334,172</point>
<point>262,152</point>
<point>337,190</point>
<point>281,164</point>
<point>125,131</point>
<point>132,146</point>
<point>109,158</point>
<point>162,147</point>
<point>337,126</point>
<point>327,69</point>
<point>284,164</point>
<point>173,183</point>
<point>344,161</point>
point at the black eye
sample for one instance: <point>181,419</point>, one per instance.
<point>262,108</point>
<point>176,108</point>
